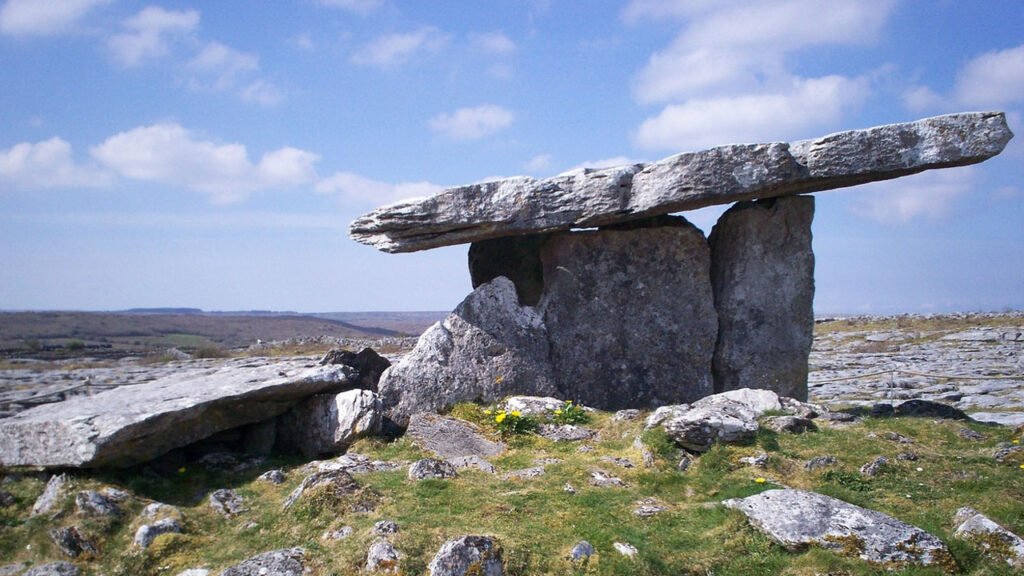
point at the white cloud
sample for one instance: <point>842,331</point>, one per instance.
<point>493,42</point>
<point>263,93</point>
<point>705,122</point>
<point>149,34</point>
<point>171,155</point>
<point>922,99</point>
<point>539,163</point>
<point>992,79</point>
<point>187,221</point>
<point>391,50</point>
<point>43,17</point>
<point>927,195</point>
<point>219,67</point>
<point>355,188</point>
<point>472,123</point>
<point>304,42</point>
<point>358,6</point>
<point>47,164</point>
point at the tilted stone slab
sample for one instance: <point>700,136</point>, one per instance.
<point>721,175</point>
<point>133,424</point>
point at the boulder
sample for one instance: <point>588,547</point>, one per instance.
<point>533,405</point>
<point>51,495</point>
<point>587,198</point>
<point>629,314</point>
<point>974,526</point>
<point>929,409</point>
<point>516,258</point>
<point>226,502</point>
<point>450,438</point>
<point>330,423</point>
<point>762,274</point>
<point>430,468</point>
<point>338,482</point>
<point>726,417</point>
<point>490,347</point>
<point>71,542</point>
<point>382,557</point>
<point>133,424</point>
<point>92,503</point>
<point>581,552</point>
<point>286,562</point>
<point>367,364</point>
<point>477,555</point>
<point>797,518</point>
<point>146,533</point>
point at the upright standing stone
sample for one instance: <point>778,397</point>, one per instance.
<point>629,314</point>
<point>516,258</point>
<point>762,273</point>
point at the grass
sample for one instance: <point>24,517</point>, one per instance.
<point>537,522</point>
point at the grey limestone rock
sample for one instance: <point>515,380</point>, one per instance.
<point>285,562</point>
<point>477,462</point>
<point>516,258</point>
<point>385,527</point>
<point>7,499</point>
<point>725,417</point>
<point>275,476</point>
<point>330,423</point>
<point>791,424</point>
<point>382,557</point>
<point>450,437</point>
<point>339,534</point>
<point>626,549</point>
<point>533,405</point>
<point>976,527</point>
<point>820,462</point>
<point>490,347</point>
<point>581,552</point>
<point>51,494</point>
<point>762,273</point>
<point>796,518</point>
<point>430,468</point>
<point>367,364</point>
<point>875,467</point>
<point>146,533</point>
<point>226,502</point>
<point>588,198</point>
<point>471,554</point>
<point>72,542</point>
<point>132,424</point>
<point>525,473</point>
<point>929,409</point>
<point>602,479</point>
<point>12,569</point>
<point>92,503</point>
<point>53,569</point>
<point>565,432</point>
<point>629,314</point>
<point>338,482</point>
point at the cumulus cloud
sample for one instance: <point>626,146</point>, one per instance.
<point>353,187</point>
<point>357,6</point>
<point>928,195</point>
<point>148,34</point>
<point>262,92</point>
<point>219,67</point>
<point>493,43</point>
<point>472,123</point>
<point>992,79</point>
<point>47,164</point>
<point>171,155</point>
<point>390,50</point>
<point>43,17</point>
<point>539,163</point>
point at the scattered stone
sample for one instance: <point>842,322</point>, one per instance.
<point>385,527</point>
<point>12,569</point>
<point>53,569</point>
<point>477,462</point>
<point>569,489</point>
<point>664,413</point>
<point>900,438</point>
<point>820,462</point>
<point>875,467</point>
<point>907,457</point>
<point>626,415</point>
<point>602,479</point>
<point>450,437</point>
<point>929,409</point>
<point>762,274</point>
<point>649,507</point>
<point>760,461</point>
<point>477,555</point>
<point>796,518</point>
<point>584,449</point>
<point>430,468</point>
<point>367,365</point>
<point>684,463</point>
<point>51,494</point>
<point>330,423</point>
<point>801,409</point>
<point>159,510</point>
<point>286,562</point>
<point>565,432</point>
<point>581,552</point>
<point>1007,452</point>
<point>115,494</point>
<point>546,461</point>
<point>353,464</point>
<point>721,420</point>
<point>227,502</point>
<point>382,557</point>
<point>275,476</point>
<point>974,526</point>
<point>133,424</point>
<point>627,550</point>
<point>525,473</point>
<point>968,434</point>
<point>338,482</point>
<point>621,462</point>
<point>339,534</point>
<point>92,503</point>
<point>146,533</point>
<point>791,424</point>
<point>490,347</point>
<point>7,500</point>
<point>71,542</point>
<point>533,405</point>
<point>844,417</point>
<point>647,458</point>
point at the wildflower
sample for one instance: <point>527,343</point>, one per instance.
<point>500,417</point>
<point>1016,441</point>
<point>517,413</point>
<point>181,470</point>
<point>488,412</point>
<point>557,412</point>
<point>760,480</point>
<point>1022,466</point>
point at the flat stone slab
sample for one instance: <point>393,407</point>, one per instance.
<point>588,198</point>
<point>450,437</point>
<point>133,424</point>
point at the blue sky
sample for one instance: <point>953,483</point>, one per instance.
<point>212,154</point>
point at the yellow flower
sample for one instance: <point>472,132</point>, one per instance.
<point>499,379</point>
<point>181,470</point>
<point>517,413</point>
<point>1016,441</point>
<point>760,480</point>
<point>500,417</point>
<point>488,412</point>
<point>558,411</point>
<point>1022,466</point>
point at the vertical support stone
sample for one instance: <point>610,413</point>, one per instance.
<point>630,315</point>
<point>514,257</point>
<point>762,274</point>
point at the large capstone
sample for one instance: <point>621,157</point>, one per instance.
<point>488,348</point>
<point>762,273</point>
<point>629,314</point>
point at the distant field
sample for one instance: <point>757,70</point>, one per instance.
<point>64,334</point>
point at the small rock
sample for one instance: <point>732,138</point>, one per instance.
<point>602,479</point>
<point>115,494</point>
<point>565,432</point>
<point>226,502</point>
<point>978,528</point>
<point>622,462</point>
<point>146,533</point>
<point>647,458</point>
<point>581,552</point>
<point>273,476</point>
<point>430,468</point>
<point>839,417</point>
<point>286,562</point>
<point>968,434</point>
<point>525,473</point>
<point>569,489</point>
<point>820,462</point>
<point>663,414</point>
<point>761,460</point>
<point>51,494</point>
<point>474,461</point>
<point>684,463</point>
<point>649,507</point>
<point>894,437</point>
<point>158,510</point>
<point>1006,452</point>
<point>533,405</point>
<point>6,499</point>
<point>584,449</point>
<point>546,461</point>
<point>477,555</point>
<point>385,527</point>
<point>339,534</point>
<point>92,503</point>
<point>875,467</point>
<point>791,424</point>
<point>907,457</point>
<point>71,541</point>
<point>929,409</point>
<point>627,550</point>
<point>626,415</point>
<point>219,460</point>
<point>382,557</point>
<point>53,569</point>
<point>339,482</point>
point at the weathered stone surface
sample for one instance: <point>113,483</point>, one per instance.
<point>488,348</point>
<point>92,503</point>
<point>330,423</point>
<point>450,437</point>
<point>533,405</point>
<point>792,424</point>
<point>367,363</point>
<point>587,198</point>
<point>516,258</point>
<point>974,526</point>
<point>226,502</point>
<point>430,468</point>
<point>338,482</point>
<point>133,424</point>
<point>382,557</point>
<point>287,562</point>
<point>51,494</point>
<point>929,409</point>
<point>581,552</point>
<point>762,274</point>
<point>629,315</point>
<point>478,555</point>
<point>53,569</point>
<point>565,432</point>
<point>71,542</point>
<point>726,417</point>
<point>146,533</point>
<point>796,518</point>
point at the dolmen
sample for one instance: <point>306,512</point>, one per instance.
<point>590,286</point>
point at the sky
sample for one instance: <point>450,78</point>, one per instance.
<point>212,154</point>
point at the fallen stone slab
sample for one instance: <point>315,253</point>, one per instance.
<point>796,519</point>
<point>450,438</point>
<point>725,174</point>
<point>134,424</point>
<point>997,541</point>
